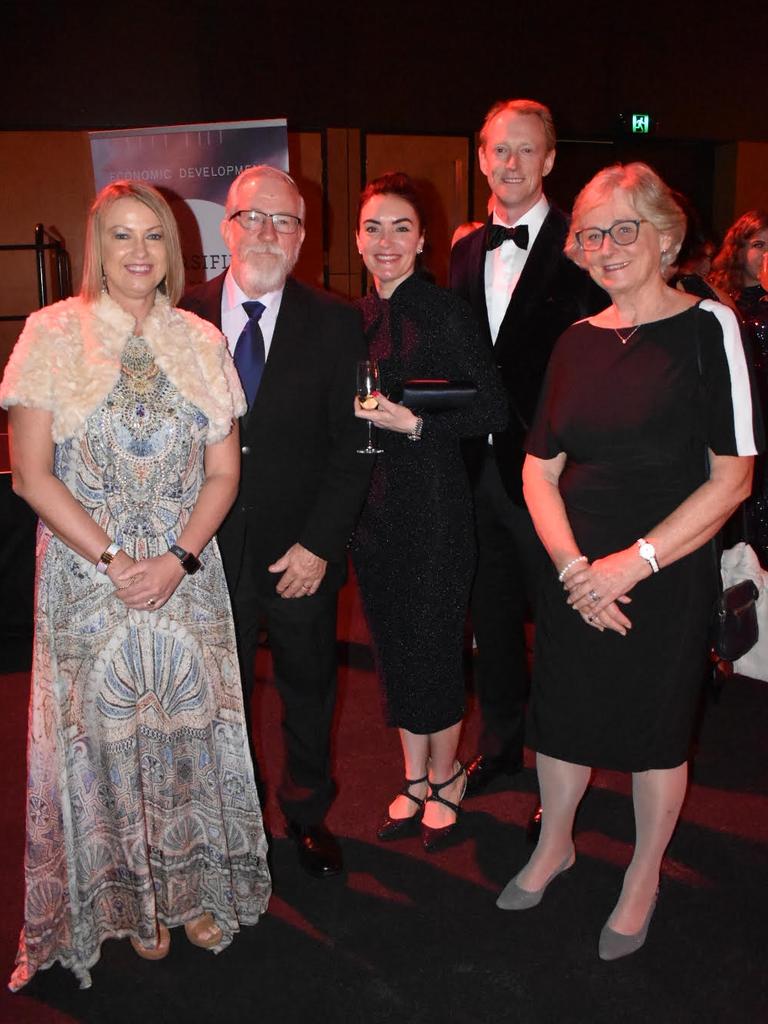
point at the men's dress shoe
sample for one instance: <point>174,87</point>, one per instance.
<point>613,945</point>
<point>533,828</point>
<point>482,770</point>
<point>319,853</point>
<point>512,897</point>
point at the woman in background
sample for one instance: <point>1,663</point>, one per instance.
<point>740,269</point>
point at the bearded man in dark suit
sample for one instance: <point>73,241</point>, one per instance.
<point>302,482</point>
<point>524,292</point>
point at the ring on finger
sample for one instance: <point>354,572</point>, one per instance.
<point>594,596</point>
<point>151,603</point>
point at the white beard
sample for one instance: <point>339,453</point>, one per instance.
<point>257,276</point>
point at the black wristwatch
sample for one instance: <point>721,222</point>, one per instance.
<point>189,563</point>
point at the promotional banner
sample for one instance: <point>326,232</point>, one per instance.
<point>193,166</point>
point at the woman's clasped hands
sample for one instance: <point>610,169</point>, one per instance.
<point>148,583</point>
<point>597,590</point>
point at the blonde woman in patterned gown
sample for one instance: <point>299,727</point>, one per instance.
<point>142,811</point>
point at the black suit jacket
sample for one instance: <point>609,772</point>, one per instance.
<point>301,477</point>
<point>551,294</point>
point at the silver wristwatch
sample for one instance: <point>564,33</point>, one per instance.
<point>648,552</point>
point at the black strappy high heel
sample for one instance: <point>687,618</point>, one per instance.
<point>433,837</point>
<point>393,828</point>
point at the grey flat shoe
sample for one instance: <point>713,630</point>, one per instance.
<point>512,897</point>
<point>613,945</point>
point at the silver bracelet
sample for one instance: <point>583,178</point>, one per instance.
<point>415,434</point>
<point>566,568</point>
<point>105,559</point>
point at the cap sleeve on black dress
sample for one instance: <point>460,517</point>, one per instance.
<point>732,418</point>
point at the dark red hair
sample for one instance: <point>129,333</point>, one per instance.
<point>394,183</point>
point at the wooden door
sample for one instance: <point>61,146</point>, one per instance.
<point>440,166</point>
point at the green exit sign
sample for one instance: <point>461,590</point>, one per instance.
<point>640,124</point>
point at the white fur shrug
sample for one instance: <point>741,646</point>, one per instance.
<point>67,360</point>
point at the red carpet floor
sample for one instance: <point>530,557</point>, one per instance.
<point>416,939</point>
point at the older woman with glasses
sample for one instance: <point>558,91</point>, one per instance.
<point>641,448</point>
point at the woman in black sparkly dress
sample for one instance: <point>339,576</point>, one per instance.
<point>740,270</point>
<point>414,547</point>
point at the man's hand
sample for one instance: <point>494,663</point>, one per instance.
<point>302,572</point>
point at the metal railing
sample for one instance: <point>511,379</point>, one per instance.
<point>61,267</point>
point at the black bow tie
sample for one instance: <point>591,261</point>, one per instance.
<point>497,233</point>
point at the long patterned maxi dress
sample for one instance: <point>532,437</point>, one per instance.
<point>142,804</point>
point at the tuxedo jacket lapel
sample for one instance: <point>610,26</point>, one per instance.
<point>541,264</point>
<point>476,260</point>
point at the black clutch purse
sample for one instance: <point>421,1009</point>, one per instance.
<point>437,395</point>
<point>734,629</point>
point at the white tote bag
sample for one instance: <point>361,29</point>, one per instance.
<point>741,563</point>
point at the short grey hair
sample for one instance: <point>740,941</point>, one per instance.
<point>649,195</point>
<point>265,171</point>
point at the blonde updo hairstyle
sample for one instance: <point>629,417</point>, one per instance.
<point>646,192</point>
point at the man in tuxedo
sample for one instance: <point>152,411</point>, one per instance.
<point>302,482</point>
<point>524,292</point>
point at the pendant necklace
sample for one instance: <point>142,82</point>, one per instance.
<point>629,337</point>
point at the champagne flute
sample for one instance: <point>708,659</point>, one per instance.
<point>367,383</point>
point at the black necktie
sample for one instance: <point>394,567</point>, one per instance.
<point>249,351</point>
<point>497,233</point>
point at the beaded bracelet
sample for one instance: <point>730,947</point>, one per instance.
<point>415,434</point>
<point>566,568</point>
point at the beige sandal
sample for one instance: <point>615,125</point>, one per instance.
<point>154,952</point>
<point>204,932</point>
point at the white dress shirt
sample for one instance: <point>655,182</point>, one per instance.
<point>504,265</point>
<point>234,317</point>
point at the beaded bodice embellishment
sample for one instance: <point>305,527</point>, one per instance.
<point>143,449</point>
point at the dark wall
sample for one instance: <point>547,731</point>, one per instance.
<point>387,66</point>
